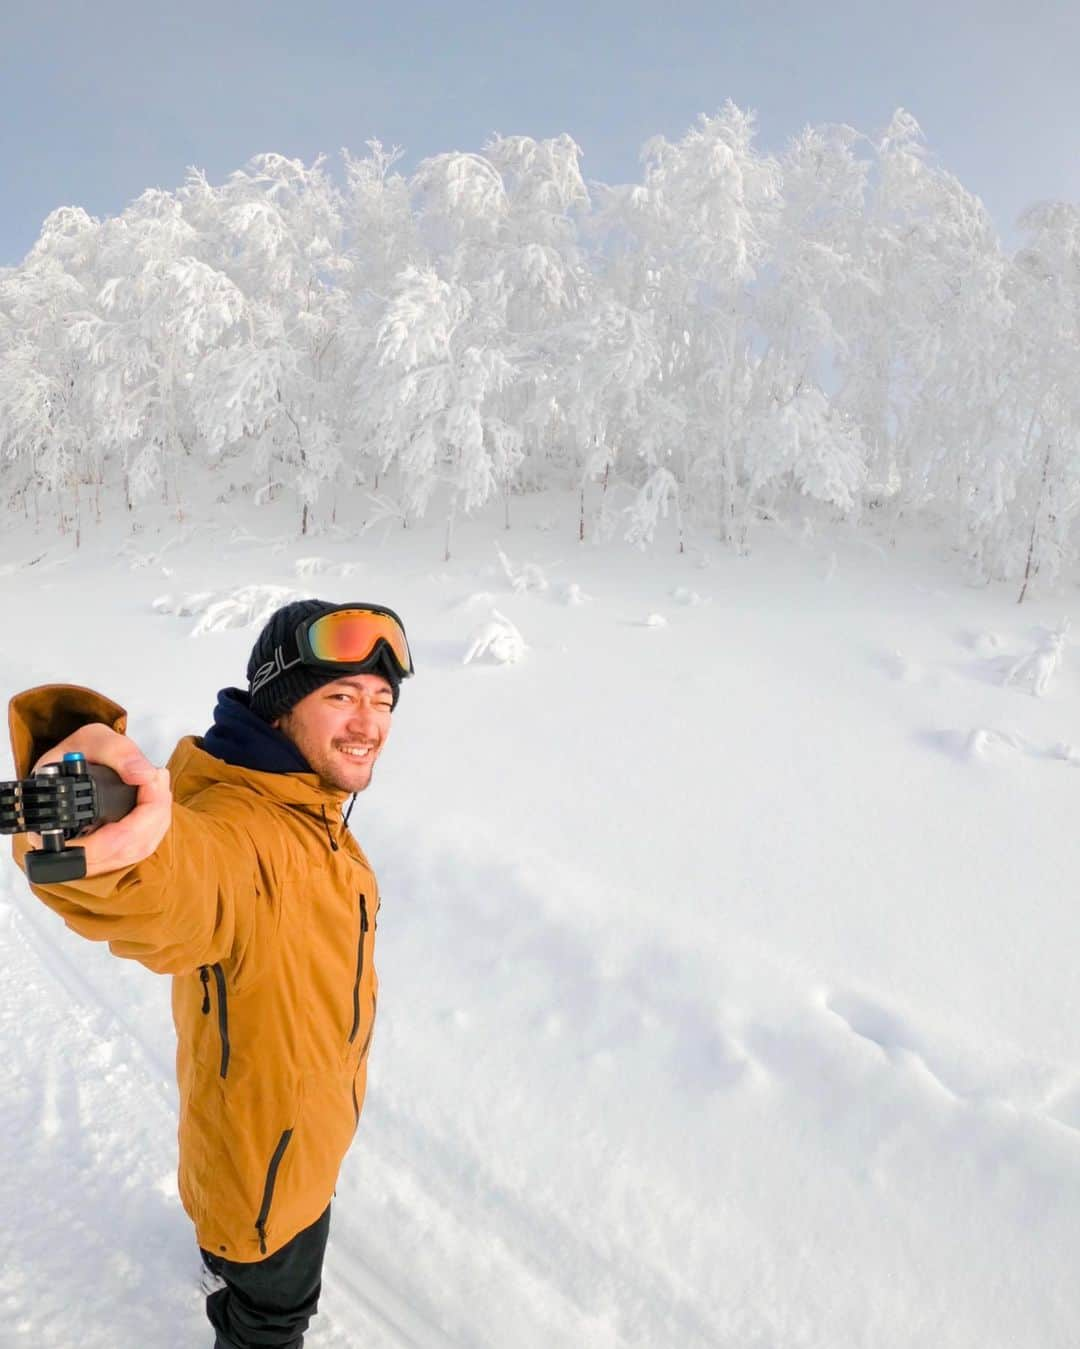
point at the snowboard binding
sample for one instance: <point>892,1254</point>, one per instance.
<point>61,802</point>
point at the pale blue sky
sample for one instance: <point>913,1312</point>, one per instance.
<point>100,100</point>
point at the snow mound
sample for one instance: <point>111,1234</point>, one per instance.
<point>187,606</point>
<point>527,576</point>
<point>986,743</point>
<point>321,566</point>
<point>498,641</point>
<point>247,607</point>
<point>1036,668</point>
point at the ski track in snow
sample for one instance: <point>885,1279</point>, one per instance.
<point>89,1166</point>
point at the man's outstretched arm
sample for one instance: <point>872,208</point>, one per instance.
<point>169,886</point>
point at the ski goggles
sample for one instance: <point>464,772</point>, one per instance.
<point>352,639</point>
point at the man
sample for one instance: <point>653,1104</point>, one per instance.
<point>236,874</point>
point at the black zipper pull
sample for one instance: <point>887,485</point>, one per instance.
<point>204,975</point>
<point>363,914</point>
<point>262,1237</point>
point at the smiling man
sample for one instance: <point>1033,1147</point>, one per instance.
<point>236,874</point>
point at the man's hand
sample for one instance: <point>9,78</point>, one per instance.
<point>138,834</point>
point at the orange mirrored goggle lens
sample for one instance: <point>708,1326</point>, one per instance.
<point>349,636</point>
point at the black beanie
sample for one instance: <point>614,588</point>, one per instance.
<point>285,690</point>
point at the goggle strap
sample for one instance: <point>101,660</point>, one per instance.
<point>272,669</point>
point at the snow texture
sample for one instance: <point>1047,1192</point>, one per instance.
<point>727,979</point>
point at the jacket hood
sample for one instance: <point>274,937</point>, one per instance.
<point>240,737</point>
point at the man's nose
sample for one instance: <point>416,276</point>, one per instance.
<point>362,719</point>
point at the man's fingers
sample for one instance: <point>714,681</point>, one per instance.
<point>155,791</point>
<point>110,847</point>
<point>158,788</point>
<point>137,771</point>
<point>137,835</point>
<point>134,837</point>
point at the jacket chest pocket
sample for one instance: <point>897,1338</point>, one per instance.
<point>216,975</point>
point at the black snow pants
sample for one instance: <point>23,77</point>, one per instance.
<point>268,1304</point>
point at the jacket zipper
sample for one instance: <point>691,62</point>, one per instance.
<point>268,1189</point>
<point>359,969</point>
<point>223,1008</point>
<point>367,1046</point>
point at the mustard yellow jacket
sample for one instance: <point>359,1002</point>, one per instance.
<point>261,906</point>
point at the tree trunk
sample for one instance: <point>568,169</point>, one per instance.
<point>1029,570</point>
<point>449,529</point>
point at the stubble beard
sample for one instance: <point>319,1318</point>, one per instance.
<point>327,764</point>
<point>344,785</point>
<point>339,776</point>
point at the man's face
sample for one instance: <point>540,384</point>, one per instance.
<point>340,729</point>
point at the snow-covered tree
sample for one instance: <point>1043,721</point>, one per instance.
<point>735,338</point>
<point>280,391</point>
<point>46,412</point>
<point>1044,492</point>
<point>686,247</point>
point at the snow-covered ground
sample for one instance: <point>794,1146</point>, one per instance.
<point>727,949</point>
